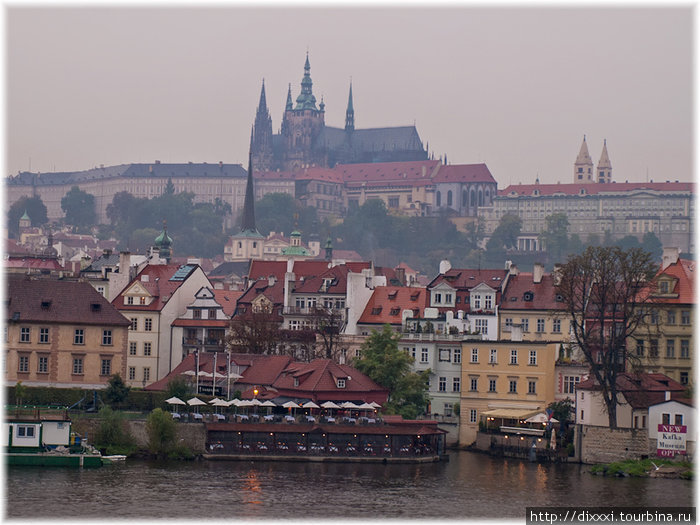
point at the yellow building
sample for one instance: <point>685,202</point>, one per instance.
<point>63,334</point>
<point>665,344</point>
<point>513,377</point>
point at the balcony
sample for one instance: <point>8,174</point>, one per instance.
<point>315,311</point>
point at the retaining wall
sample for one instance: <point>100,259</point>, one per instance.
<point>605,445</point>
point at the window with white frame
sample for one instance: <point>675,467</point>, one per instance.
<point>457,355</point>
<point>437,296</point>
<point>106,367</point>
<point>473,384</point>
<point>512,386</point>
<point>146,348</point>
<point>134,323</point>
<point>77,365</point>
<point>132,348</point>
<point>79,337</point>
<point>540,325</point>
<point>341,382</point>
<point>107,337</point>
<point>132,373</point>
<point>472,415</point>
<point>148,324</point>
<point>492,384</point>
<point>493,356</point>
<point>533,357</point>
<point>513,357</point>
<point>532,387</point>
<point>423,355</point>
<point>25,334</point>
<point>556,326</point>
<point>43,364</point>
<point>475,355</point>
<point>476,300</point>
<point>43,335</point>
<point>526,325</point>
<point>488,301</point>
<point>23,364</point>
<point>442,384</point>
<point>509,322</point>
<point>481,326</point>
<point>147,373</point>
<point>447,409</point>
<point>456,384</point>
<point>570,384</point>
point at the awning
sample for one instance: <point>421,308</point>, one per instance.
<point>510,413</point>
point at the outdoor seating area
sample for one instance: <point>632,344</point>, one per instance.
<point>290,412</point>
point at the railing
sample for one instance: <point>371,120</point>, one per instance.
<point>314,310</point>
<point>423,336</point>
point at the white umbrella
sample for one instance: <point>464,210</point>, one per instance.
<point>189,372</point>
<point>235,402</point>
<point>329,404</point>
<point>245,403</point>
<point>202,373</point>
<point>290,404</point>
<point>366,406</point>
<point>269,403</point>
<point>175,401</point>
<point>218,403</point>
<point>212,401</point>
<point>234,375</point>
<point>350,405</point>
<point>540,418</point>
<point>195,401</point>
<point>310,404</point>
<point>256,402</point>
<point>375,405</point>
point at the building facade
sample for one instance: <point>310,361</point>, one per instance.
<point>62,334</point>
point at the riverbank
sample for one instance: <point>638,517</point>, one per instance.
<point>646,468</point>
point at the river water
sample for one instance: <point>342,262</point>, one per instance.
<point>469,486</point>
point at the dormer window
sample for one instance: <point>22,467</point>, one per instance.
<point>296,381</point>
<point>527,296</point>
<point>341,382</point>
<point>663,286</point>
<point>558,298</point>
<point>392,295</point>
<point>377,310</point>
<point>394,311</point>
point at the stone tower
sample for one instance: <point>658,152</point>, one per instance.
<point>248,243</point>
<point>583,167</point>
<point>604,169</point>
<point>301,126</point>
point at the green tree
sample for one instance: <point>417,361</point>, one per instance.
<point>79,208</point>
<point>628,242</point>
<point>652,245</point>
<point>383,362</point>
<point>505,236</point>
<point>35,208</point>
<point>555,236</point>
<point>606,293</point>
<point>20,392</point>
<point>179,387</point>
<point>562,410</point>
<point>161,432</point>
<point>117,390</point>
<point>112,435</point>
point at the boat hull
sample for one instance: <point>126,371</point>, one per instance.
<point>55,460</point>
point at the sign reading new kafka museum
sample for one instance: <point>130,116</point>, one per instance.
<point>671,440</point>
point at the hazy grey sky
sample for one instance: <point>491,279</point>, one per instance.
<point>514,87</point>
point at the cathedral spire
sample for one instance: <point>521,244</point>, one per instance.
<point>248,219</point>
<point>306,99</point>
<point>262,106</point>
<point>350,113</point>
<point>290,104</point>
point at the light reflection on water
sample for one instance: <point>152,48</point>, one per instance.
<point>468,486</point>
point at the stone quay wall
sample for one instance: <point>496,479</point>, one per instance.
<point>605,445</point>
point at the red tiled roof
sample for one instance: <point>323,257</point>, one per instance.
<point>384,172</point>
<point>263,269</point>
<point>465,279</point>
<point>684,271</point>
<point>641,390</point>
<point>388,302</point>
<point>274,175</point>
<point>464,173</point>
<point>594,188</point>
<point>544,294</point>
<point>211,323</point>
<point>339,283</point>
<point>34,263</point>
<point>228,299</point>
<point>322,174</point>
<point>158,285</point>
<point>51,301</point>
<point>319,377</point>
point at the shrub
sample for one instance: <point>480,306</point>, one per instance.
<point>161,432</point>
<point>112,435</point>
<point>117,391</point>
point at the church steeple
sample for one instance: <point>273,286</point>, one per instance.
<point>290,104</point>
<point>604,166</point>
<point>583,167</point>
<point>306,99</point>
<point>248,219</point>
<point>350,113</point>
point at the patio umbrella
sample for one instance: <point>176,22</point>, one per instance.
<point>350,405</point>
<point>310,404</point>
<point>196,402</point>
<point>291,405</point>
<point>329,404</point>
<point>270,405</point>
<point>189,373</point>
<point>375,405</point>
<point>175,401</point>
<point>540,418</point>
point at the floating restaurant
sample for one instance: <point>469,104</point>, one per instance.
<point>398,441</point>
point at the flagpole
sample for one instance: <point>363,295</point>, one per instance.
<point>196,375</point>
<point>213,376</point>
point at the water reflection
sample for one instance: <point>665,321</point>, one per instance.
<point>468,486</point>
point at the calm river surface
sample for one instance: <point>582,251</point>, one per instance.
<point>469,486</point>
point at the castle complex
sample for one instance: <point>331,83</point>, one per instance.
<point>305,141</point>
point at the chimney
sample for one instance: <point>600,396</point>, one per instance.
<point>556,274</point>
<point>670,256</point>
<point>537,272</point>
<point>401,275</point>
<point>124,262</point>
<point>512,269</point>
<point>445,267</point>
<point>667,395</point>
<point>271,280</point>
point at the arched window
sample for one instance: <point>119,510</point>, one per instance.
<point>438,199</point>
<point>464,198</point>
<point>473,198</point>
<point>449,198</point>
<point>481,198</point>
